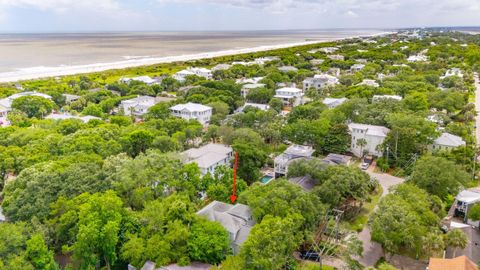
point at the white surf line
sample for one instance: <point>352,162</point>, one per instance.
<point>45,72</point>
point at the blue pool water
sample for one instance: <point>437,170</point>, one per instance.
<point>265,179</point>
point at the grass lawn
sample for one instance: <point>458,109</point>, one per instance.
<point>361,220</point>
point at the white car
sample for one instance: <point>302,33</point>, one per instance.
<point>365,165</point>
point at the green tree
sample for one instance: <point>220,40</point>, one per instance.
<point>138,141</point>
<point>474,212</point>
<point>270,244</point>
<point>438,176</point>
<point>33,106</point>
<point>37,252</point>
<point>208,242</point>
<point>456,239</point>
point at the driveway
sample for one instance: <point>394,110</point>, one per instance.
<point>372,251</point>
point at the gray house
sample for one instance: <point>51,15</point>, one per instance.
<point>236,219</point>
<point>294,152</point>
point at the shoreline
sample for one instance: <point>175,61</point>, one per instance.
<point>48,72</point>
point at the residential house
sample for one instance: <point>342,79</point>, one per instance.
<point>293,153</point>
<point>64,116</point>
<point>334,102</point>
<point>221,67</point>
<point>196,111</point>
<point>384,97</point>
<point>288,69</point>
<point>334,72</point>
<point>317,62</point>
<point>306,182</point>
<point>337,159</point>
<point>6,103</point>
<point>253,80</point>
<point>290,96</point>
<point>361,60</point>
<point>320,81</point>
<point>263,107</point>
<point>249,86</point>
<point>465,200</point>
<point>458,263</point>
<point>138,106</point>
<point>264,60</point>
<point>368,82</point>
<point>356,67</point>
<point>144,79</point>
<point>447,141</point>
<point>417,58</point>
<point>336,57</point>
<point>69,98</point>
<point>201,72</point>
<point>367,138</point>
<point>209,157</point>
<point>453,72</point>
<point>236,219</point>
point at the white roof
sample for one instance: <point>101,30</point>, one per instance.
<point>253,85</point>
<point>7,102</point>
<point>191,107</point>
<point>448,139</point>
<point>289,89</point>
<point>65,116</point>
<point>376,97</point>
<point>299,150</point>
<point>263,107</point>
<point>468,196</point>
<point>330,101</point>
<point>370,129</point>
<point>287,68</point>
<point>208,155</point>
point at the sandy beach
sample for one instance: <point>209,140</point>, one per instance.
<point>63,70</point>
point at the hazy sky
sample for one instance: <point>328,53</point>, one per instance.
<point>148,15</point>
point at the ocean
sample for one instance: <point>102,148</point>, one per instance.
<point>24,54</point>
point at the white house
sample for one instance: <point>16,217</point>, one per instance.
<point>6,103</point>
<point>384,97</point>
<point>369,82</point>
<point>317,62</point>
<point>453,72</point>
<point>337,57</point>
<point>465,200</point>
<point>287,69</point>
<point>373,136</point>
<point>221,67</point>
<point>196,111</point>
<point>356,67</point>
<point>209,157</point>
<point>64,116</point>
<point>253,80</point>
<point>263,107</point>
<point>264,60</point>
<point>201,72</point>
<point>249,86</point>
<point>145,79</point>
<point>334,102</point>
<point>236,219</point>
<point>138,106</point>
<point>320,81</point>
<point>417,58</point>
<point>290,96</point>
<point>293,153</point>
<point>447,141</point>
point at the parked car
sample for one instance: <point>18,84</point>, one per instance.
<point>365,165</point>
<point>310,255</point>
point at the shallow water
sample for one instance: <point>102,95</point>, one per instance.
<point>38,51</point>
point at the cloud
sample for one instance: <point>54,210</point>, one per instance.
<point>62,6</point>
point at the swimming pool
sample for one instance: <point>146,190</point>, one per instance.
<point>266,179</point>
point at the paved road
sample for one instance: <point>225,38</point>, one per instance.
<point>477,108</point>
<point>373,251</point>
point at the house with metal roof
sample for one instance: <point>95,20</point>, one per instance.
<point>334,102</point>
<point>236,219</point>
<point>447,142</point>
<point>288,69</point>
<point>320,81</point>
<point>209,157</point>
<point>137,106</point>
<point>376,98</point>
<point>6,103</point>
<point>290,96</point>
<point>249,86</point>
<point>293,153</point>
<point>193,111</point>
<point>366,139</point>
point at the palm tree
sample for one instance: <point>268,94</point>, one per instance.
<point>456,239</point>
<point>362,143</point>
